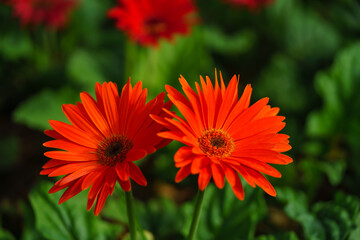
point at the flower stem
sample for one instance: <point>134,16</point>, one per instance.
<point>131,215</point>
<point>196,214</point>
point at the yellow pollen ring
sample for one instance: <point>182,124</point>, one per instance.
<point>216,143</point>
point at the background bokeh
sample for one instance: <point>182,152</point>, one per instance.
<point>304,55</point>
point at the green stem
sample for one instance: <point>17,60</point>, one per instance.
<point>131,215</point>
<point>196,214</point>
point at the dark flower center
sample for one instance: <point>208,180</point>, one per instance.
<point>216,143</point>
<point>113,150</point>
<point>155,26</point>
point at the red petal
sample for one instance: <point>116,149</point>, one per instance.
<point>95,114</point>
<point>125,185</point>
<point>136,174</point>
<point>71,156</point>
<point>71,191</point>
<point>74,134</point>
<point>122,170</point>
<point>111,108</point>
<point>135,154</point>
<point>67,145</point>
<point>73,113</point>
<point>77,174</point>
<point>101,199</point>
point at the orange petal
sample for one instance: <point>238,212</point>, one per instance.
<point>184,153</point>
<point>247,115</point>
<point>182,173</point>
<point>204,177</point>
<point>230,174</point>
<point>238,189</point>
<point>259,166</point>
<point>261,181</point>
<point>198,163</point>
<point>218,175</point>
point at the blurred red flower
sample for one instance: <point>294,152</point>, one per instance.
<point>102,142</point>
<point>51,13</point>
<point>146,21</point>
<point>225,136</point>
<point>251,4</point>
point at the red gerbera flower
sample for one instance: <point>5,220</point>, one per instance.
<point>147,21</point>
<point>105,138</point>
<point>225,137</point>
<point>52,13</point>
<point>251,4</point>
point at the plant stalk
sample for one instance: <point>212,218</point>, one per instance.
<point>196,214</point>
<point>131,215</point>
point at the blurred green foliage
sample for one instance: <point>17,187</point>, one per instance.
<point>304,55</point>
<point>66,221</point>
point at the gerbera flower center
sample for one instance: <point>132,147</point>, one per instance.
<point>155,26</point>
<point>113,150</point>
<point>216,143</point>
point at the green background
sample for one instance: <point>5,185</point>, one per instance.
<point>304,55</point>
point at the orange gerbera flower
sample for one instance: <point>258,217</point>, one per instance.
<point>105,138</point>
<point>225,137</point>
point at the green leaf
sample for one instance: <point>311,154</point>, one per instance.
<point>332,220</point>
<point>338,88</point>
<point>281,83</point>
<point>297,208</point>
<point>305,34</point>
<point>161,217</point>
<point>226,217</point>
<point>84,70</point>
<point>355,234</point>
<point>15,45</point>
<point>5,235</point>
<point>338,216</point>
<point>281,236</point>
<point>186,55</point>
<point>69,220</point>
<point>29,231</point>
<point>238,43</point>
<point>38,109</point>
